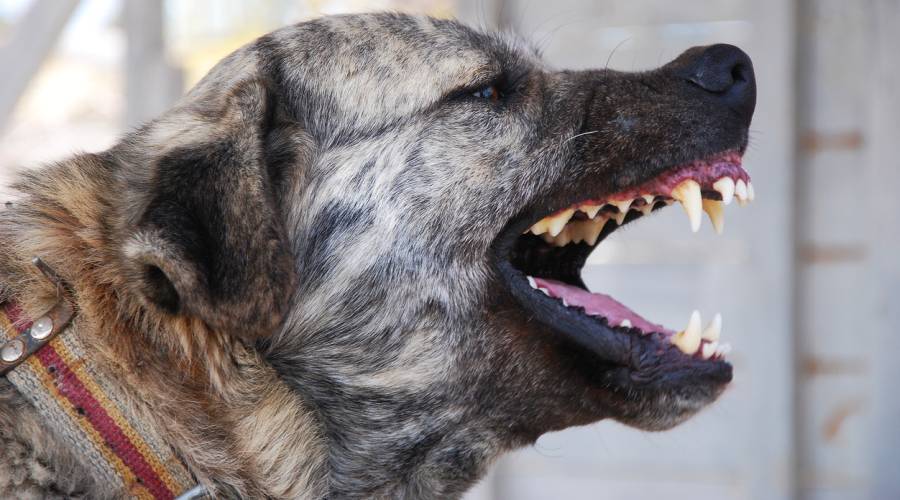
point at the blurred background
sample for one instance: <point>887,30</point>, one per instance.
<point>807,277</point>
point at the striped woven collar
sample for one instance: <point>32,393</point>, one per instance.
<point>85,407</point>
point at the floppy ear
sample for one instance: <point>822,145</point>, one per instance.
<point>205,236</point>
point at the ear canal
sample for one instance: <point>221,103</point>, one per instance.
<point>209,241</point>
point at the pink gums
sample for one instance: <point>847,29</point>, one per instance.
<point>705,172</point>
<point>598,304</point>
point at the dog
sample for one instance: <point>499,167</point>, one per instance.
<point>347,264</point>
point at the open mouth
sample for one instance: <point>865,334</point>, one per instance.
<point>541,258</point>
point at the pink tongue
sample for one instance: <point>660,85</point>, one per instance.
<point>597,304</point>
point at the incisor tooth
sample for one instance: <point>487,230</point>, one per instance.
<point>558,221</point>
<point>713,329</point>
<point>590,210</point>
<point>709,350</point>
<point>688,340</point>
<point>723,349</point>
<point>740,192</point>
<point>725,187</point>
<point>531,282</point>
<point>688,193</point>
<point>716,213</point>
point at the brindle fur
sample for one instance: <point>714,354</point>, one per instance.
<point>291,270</point>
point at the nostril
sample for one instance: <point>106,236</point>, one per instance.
<point>739,72</point>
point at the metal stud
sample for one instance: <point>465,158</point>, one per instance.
<point>42,328</point>
<point>12,351</point>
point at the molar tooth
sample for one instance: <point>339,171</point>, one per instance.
<point>709,349</point>
<point>625,323</point>
<point>559,221</point>
<point>725,187</point>
<point>623,205</point>
<point>688,193</point>
<point>713,329</point>
<point>590,210</point>
<point>563,238</point>
<point>740,192</point>
<point>594,231</point>
<point>544,291</point>
<point>620,217</point>
<point>688,340</point>
<point>716,213</point>
<point>540,227</point>
<point>648,204</point>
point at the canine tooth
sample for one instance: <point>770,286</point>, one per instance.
<point>559,221</point>
<point>688,340</point>
<point>709,349</point>
<point>713,329</point>
<point>531,282</point>
<point>716,212</point>
<point>725,187</point>
<point>688,193</point>
<point>740,192</point>
<point>751,193</point>
<point>590,210</point>
<point>625,323</point>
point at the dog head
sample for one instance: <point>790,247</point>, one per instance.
<point>379,201</point>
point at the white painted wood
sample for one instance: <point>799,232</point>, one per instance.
<point>32,40</point>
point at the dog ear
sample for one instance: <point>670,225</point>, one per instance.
<point>204,236</point>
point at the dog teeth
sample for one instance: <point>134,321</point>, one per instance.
<point>709,349</point>
<point>626,323</point>
<point>713,329</point>
<point>559,221</point>
<point>590,210</point>
<point>688,193</point>
<point>560,229</point>
<point>740,192</point>
<point>531,282</point>
<point>688,340</point>
<point>723,349</point>
<point>716,211</point>
<point>725,187</point>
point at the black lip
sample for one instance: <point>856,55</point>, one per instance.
<point>607,344</point>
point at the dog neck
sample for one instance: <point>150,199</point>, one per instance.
<point>193,393</point>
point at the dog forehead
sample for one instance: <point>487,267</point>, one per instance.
<point>387,64</point>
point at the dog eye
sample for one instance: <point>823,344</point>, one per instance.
<point>491,92</point>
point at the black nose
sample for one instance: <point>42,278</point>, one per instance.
<point>725,72</point>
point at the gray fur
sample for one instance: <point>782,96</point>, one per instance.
<point>389,184</point>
